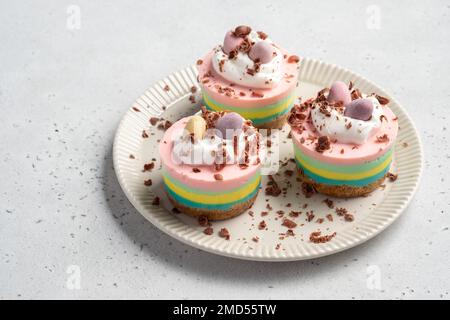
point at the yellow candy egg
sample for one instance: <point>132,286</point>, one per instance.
<point>196,125</point>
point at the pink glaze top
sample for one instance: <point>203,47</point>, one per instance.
<point>233,175</point>
<point>227,93</point>
<point>351,154</point>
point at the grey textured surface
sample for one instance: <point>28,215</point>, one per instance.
<point>63,92</point>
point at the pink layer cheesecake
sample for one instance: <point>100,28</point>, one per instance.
<point>343,140</point>
<point>208,172</point>
<point>250,75</point>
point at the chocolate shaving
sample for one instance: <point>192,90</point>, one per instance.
<point>196,170</point>
<point>356,94</point>
<point>293,59</point>
<point>251,72</point>
<point>289,173</point>
<point>341,211</point>
<point>149,166</point>
<point>382,139</point>
<point>148,182</point>
<point>382,100</point>
<point>289,223</point>
<point>221,64</point>
<point>272,188</point>
<point>297,115</point>
<point>262,35</point>
<point>323,108</point>
<point>308,190</point>
<point>242,31</point>
<point>294,214</point>
<point>167,124</point>
<point>233,54</point>
<point>176,210</point>
<point>218,176</point>
<point>257,94</point>
<point>208,231</point>
<point>224,233</point>
<point>316,237</point>
<point>349,217</point>
<point>262,225</point>
<point>391,176</point>
<point>155,201</point>
<point>323,143</point>
<point>329,203</point>
<point>153,120</point>
<point>203,221</point>
<point>350,85</point>
<point>199,62</point>
<point>310,216</point>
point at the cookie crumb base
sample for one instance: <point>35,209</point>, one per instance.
<point>341,191</point>
<point>234,211</point>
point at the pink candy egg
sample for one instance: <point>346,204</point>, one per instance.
<point>339,92</point>
<point>231,42</point>
<point>360,109</point>
<point>263,51</point>
<point>229,124</point>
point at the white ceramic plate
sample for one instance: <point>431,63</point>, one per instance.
<point>372,214</point>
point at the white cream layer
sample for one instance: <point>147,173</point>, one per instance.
<point>235,70</point>
<point>337,125</point>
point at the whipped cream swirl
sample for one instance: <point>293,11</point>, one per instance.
<point>235,70</point>
<point>345,129</point>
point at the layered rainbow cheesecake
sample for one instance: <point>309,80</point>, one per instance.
<point>343,140</point>
<point>211,164</point>
<point>250,75</point>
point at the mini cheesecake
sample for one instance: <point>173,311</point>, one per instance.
<point>250,75</point>
<point>343,141</point>
<point>207,171</point>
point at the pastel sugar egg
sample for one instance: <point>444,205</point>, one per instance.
<point>339,92</point>
<point>360,109</point>
<point>196,125</point>
<point>231,42</point>
<point>261,50</point>
<point>229,124</point>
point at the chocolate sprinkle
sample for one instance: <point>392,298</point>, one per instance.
<point>242,31</point>
<point>316,237</point>
<point>391,176</point>
<point>323,143</point>
<point>224,233</point>
<point>208,231</point>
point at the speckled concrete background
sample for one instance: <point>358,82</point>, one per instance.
<point>63,91</point>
